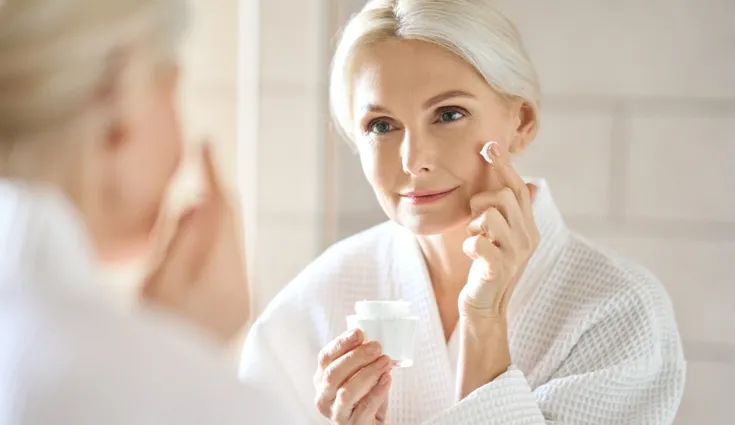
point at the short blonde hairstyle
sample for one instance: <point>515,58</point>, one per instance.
<point>56,55</point>
<point>475,30</point>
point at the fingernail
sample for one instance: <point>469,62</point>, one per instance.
<point>384,380</point>
<point>188,215</point>
<point>383,362</point>
<point>353,335</point>
<point>495,149</point>
<point>373,348</point>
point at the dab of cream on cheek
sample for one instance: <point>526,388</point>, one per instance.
<point>391,324</point>
<point>485,151</point>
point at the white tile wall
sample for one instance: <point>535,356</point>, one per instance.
<point>680,167</point>
<point>290,124</point>
<point>572,151</point>
<point>209,77</point>
<point>283,250</point>
<point>630,47</point>
<point>209,113</point>
<point>210,53</point>
<point>708,394</point>
<point>292,120</point>
<point>356,196</point>
<point>293,46</point>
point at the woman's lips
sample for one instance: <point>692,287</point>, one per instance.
<point>426,196</point>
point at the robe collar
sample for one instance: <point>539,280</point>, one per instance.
<point>45,247</point>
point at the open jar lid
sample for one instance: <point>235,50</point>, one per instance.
<point>382,309</point>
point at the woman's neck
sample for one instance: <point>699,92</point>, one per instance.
<point>448,268</point>
<point>447,263</point>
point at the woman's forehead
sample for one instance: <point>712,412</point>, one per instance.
<point>410,68</point>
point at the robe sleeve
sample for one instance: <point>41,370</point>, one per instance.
<point>264,367</point>
<point>626,368</point>
<point>63,364</point>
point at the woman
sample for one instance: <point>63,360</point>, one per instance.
<point>89,139</point>
<point>419,87</point>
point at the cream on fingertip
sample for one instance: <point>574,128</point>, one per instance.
<point>485,151</point>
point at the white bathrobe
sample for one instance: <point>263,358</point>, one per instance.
<point>593,338</point>
<point>70,356</point>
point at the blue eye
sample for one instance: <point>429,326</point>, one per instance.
<point>450,115</point>
<point>380,127</point>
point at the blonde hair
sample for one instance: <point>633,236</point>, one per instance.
<point>57,55</point>
<point>475,30</point>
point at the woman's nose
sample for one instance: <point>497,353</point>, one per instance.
<point>418,154</point>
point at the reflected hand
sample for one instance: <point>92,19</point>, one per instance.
<point>202,275</point>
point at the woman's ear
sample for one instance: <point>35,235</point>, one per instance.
<point>525,118</point>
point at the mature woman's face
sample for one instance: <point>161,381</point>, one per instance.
<point>421,116</point>
<point>137,163</point>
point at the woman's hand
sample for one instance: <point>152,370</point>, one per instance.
<point>202,274</point>
<point>503,236</point>
<point>352,381</point>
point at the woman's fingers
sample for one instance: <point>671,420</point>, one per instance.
<point>485,281</point>
<point>197,229</point>
<point>532,189</point>
<point>505,201</point>
<point>338,363</point>
<point>503,235</point>
<point>373,407</point>
<point>213,185</point>
<point>345,367</point>
<point>509,177</point>
<point>339,346</point>
<point>183,259</point>
<point>358,387</point>
<point>347,372</point>
<point>482,249</point>
<point>492,225</point>
<point>201,275</point>
<point>512,201</point>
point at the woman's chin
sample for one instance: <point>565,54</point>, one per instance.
<point>428,226</point>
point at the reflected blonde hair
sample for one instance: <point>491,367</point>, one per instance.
<point>475,30</point>
<point>57,56</point>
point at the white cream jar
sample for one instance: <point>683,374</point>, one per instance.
<point>391,324</point>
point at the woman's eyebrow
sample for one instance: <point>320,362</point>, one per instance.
<point>446,95</point>
<point>375,108</point>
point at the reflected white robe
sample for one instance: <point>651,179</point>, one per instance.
<point>70,356</point>
<point>593,337</point>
